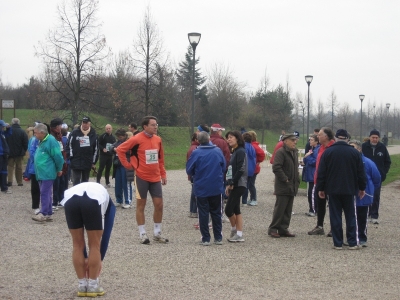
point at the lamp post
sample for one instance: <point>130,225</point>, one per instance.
<point>361,99</point>
<point>309,78</point>
<point>387,120</point>
<point>303,107</point>
<point>194,40</point>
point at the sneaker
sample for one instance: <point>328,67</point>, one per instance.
<point>252,203</point>
<point>310,214</point>
<point>329,234</point>
<point>117,204</point>
<point>204,243</point>
<point>363,244</point>
<point>55,208</point>
<point>144,239</point>
<point>375,221</point>
<point>36,211</point>
<point>345,244</point>
<point>82,291</point>
<point>225,219</point>
<point>39,218</point>
<point>337,248</point>
<point>7,192</point>
<point>70,182</point>
<point>233,233</point>
<point>218,242</point>
<point>95,291</point>
<point>109,185</point>
<point>160,238</point>
<point>59,205</point>
<point>49,218</point>
<point>356,247</point>
<point>126,206</point>
<point>244,204</point>
<point>193,215</point>
<point>236,239</point>
<point>317,231</point>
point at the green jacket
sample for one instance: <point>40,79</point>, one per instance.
<point>48,159</point>
<point>285,168</point>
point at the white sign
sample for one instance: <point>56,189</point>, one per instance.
<point>7,103</point>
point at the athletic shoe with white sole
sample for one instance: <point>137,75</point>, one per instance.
<point>159,238</point>
<point>218,242</point>
<point>39,218</point>
<point>94,291</point>
<point>126,206</point>
<point>236,239</point>
<point>204,243</point>
<point>82,291</point>
<point>144,239</point>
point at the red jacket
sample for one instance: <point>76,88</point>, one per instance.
<point>222,144</point>
<point>321,150</point>
<point>260,156</point>
<point>279,145</point>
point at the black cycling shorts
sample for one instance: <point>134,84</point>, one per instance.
<point>81,211</point>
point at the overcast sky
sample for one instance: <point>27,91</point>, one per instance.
<point>351,47</point>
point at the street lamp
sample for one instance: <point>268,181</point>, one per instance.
<point>303,107</point>
<point>309,78</point>
<point>387,120</point>
<point>361,99</point>
<point>194,40</point>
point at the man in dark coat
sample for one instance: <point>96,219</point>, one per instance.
<point>341,176</point>
<point>82,150</point>
<point>106,157</point>
<point>287,182</point>
<point>377,152</point>
<point>18,143</point>
<point>4,151</point>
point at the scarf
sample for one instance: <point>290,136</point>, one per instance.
<point>85,133</point>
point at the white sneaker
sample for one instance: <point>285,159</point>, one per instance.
<point>144,239</point>
<point>236,239</point>
<point>55,208</point>
<point>36,211</point>
<point>225,219</point>
<point>160,238</point>
<point>126,206</point>
<point>118,204</point>
<point>39,218</point>
<point>375,221</point>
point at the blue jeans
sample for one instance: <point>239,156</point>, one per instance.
<point>251,187</point>
<point>210,205</point>
<point>347,203</point>
<point>123,188</point>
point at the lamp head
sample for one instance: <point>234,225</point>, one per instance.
<point>309,78</point>
<point>387,105</point>
<point>194,39</point>
<point>361,97</point>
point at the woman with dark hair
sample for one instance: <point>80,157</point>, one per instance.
<point>193,205</point>
<point>310,159</point>
<point>237,183</point>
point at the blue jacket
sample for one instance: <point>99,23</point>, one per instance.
<point>251,159</point>
<point>310,162</point>
<point>32,146</point>
<point>373,182</point>
<point>4,149</point>
<point>206,165</point>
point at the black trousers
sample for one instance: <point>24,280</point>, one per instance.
<point>105,162</point>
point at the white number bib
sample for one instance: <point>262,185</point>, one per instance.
<point>151,156</point>
<point>229,172</point>
<point>84,141</point>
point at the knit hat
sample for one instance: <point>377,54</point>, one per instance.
<point>2,123</point>
<point>374,132</point>
<point>217,127</point>
<point>341,133</point>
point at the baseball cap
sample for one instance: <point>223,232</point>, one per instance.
<point>86,119</point>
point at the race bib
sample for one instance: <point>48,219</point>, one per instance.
<point>108,145</point>
<point>61,146</point>
<point>151,156</point>
<point>84,141</point>
<point>229,172</point>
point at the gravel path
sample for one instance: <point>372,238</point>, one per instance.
<point>36,258</point>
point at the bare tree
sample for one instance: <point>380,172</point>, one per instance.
<point>72,54</point>
<point>344,115</point>
<point>149,59</point>
<point>332,107</point>
<point>321,115</point>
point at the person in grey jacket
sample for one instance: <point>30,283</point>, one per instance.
<point>236,177</point>
<point>287,182</point>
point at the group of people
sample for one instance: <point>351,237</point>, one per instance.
<point>346,173</point>
<point>221,169</point>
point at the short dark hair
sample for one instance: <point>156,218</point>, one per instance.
<point>317,130</point>
<point>237,135</point>
<point>133,125</point>
<point>247,137</point>
<point>328,132</point>
<point>120,132</point>
<point>146,120</point>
